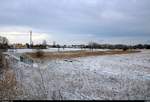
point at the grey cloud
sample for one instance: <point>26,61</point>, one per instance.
<point>97,17</point>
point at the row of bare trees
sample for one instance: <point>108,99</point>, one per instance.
<point>94,45</point>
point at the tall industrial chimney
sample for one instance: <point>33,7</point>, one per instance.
<point>30,37</point>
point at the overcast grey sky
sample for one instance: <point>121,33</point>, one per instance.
<point>76,21</point>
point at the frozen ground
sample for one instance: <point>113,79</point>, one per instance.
<point>51,50</point>
<point>103,77</point>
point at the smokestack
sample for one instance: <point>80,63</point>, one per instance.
<point>30,37</point>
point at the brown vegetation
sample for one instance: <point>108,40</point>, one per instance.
<point>8,86</point>
<point>9,89</point>
<point>75,54</point>
<point>39,54</point>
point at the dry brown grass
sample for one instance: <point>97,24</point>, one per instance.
<point>8,86</point>
<point>75,54</point>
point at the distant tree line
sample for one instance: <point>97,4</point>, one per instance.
<point>37,46</point>
<point>91,45</point>
<point>94,45</point>
<point>4,46</point>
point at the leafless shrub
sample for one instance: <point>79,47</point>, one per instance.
<point>8,86</point>
<point>125,49</point>
<point>39,53</point>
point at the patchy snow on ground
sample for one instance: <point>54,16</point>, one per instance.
<point>109,77</point>
<point>50,50</point>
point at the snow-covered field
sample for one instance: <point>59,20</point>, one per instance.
<point>50,50</point>
<point>109,77</point>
